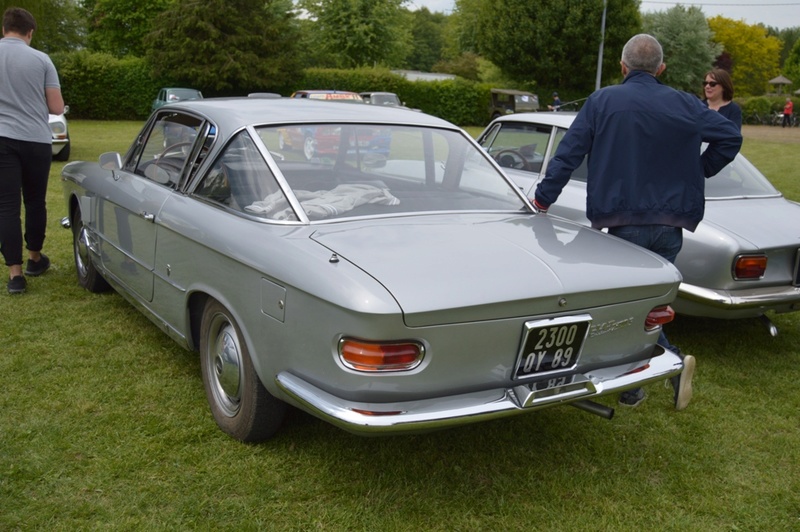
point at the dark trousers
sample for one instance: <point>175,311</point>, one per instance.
<point>787,120</point>
<point>665,240</point>
<point>24,171</point>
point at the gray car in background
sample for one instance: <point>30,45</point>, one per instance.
<point>742,261</point>
<point>395,281</point>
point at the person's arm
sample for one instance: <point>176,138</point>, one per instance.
<point>55,101</point>
<point>724,139</point>
<point>569,155</point>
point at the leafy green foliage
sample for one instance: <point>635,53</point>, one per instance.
<point>791,68</point>
<point>118,27</point>
<point>754,53</point>
<point>97,85</point>
<point>226,46</point>
<point>458,101</point>
<point>356,33</point>
<point>689,51</point>
<point>427,37</point>
<point>59,24</point>
<point>550,42</point>
<point>788,38</point>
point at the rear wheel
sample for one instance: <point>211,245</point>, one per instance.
<point>240,404</point>
<point>88,276</point>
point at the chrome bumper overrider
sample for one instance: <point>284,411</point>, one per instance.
<point>441,412</point>
<point>755,298</point>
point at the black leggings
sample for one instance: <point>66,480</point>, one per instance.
<point>25,167</point>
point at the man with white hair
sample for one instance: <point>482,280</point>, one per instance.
<point>646,173</point>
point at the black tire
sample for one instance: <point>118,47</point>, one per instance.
<point>63,155</point>
<point>88,276</point>
<point>240,404</point>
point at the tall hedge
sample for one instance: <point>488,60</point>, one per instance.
<point>458,100</point>
<point>100,86</point>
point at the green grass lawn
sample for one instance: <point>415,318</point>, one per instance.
<point>104,425</point>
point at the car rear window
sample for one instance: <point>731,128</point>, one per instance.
<point>343,170</point>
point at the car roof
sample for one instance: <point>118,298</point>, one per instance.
<point>234,113</point>
<point>560,118</point>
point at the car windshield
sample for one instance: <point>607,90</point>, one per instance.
<point>737,180</point>
<point>384,99</point>
<point>184,94</point>
<point>344,170</point>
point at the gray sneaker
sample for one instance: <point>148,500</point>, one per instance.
<point>682,384</point>
<point>632,398</point>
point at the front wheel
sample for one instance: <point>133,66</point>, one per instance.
<point>240,404</point>
<point>88,276</point>
<point>63,155</point>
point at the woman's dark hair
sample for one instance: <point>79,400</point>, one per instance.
<point>723,78</point>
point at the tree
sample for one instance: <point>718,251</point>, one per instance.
<point>550,42</point>
<point>689,51</point>
<point>754,53</point>
<point>118,27</point>
<point>791,67</point>
<point>58,24</point>
<point>427,36</point>
<point>788,36</point>
<point>358,33</point>
<point>226,46</point>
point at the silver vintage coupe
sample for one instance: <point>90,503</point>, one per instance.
<point>742,261</point>
<point>395,281</point>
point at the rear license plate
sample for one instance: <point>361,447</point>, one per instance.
<point>551,345</point>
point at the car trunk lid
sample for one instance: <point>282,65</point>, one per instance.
<point>460,268</point>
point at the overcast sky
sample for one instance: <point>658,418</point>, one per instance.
<point>775,13</point>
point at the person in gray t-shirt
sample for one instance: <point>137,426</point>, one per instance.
<point>29,92</point>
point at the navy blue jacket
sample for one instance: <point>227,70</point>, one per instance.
<point>644,144</point>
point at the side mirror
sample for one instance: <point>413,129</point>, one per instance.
<point>111,161</point>
<point>66,109</point>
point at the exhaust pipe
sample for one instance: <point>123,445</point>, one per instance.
<point>594,408</point>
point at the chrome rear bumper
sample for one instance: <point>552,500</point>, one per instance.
<point>442,412</point>
<point>761,297</point>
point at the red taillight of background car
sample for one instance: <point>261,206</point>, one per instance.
<point>361,355</point>
<point>749,267</point>
<point>658,317</point>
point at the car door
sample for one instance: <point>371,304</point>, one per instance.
<point>130,203</point>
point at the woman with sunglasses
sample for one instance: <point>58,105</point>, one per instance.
<point>718,91</point>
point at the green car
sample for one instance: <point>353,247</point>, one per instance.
<point>176,94</point>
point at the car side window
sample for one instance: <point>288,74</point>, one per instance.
<point>582,171</point>
<point>241,180</point>
<point>164,152</point>
<point>518,146</point>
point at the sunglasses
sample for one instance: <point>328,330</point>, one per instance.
<point>710,83</point>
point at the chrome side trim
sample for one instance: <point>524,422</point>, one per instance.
<point>441,412</point>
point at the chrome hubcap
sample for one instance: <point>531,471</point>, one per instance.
<point>225,367</point>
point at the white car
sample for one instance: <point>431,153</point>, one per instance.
<point>60,131</point>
